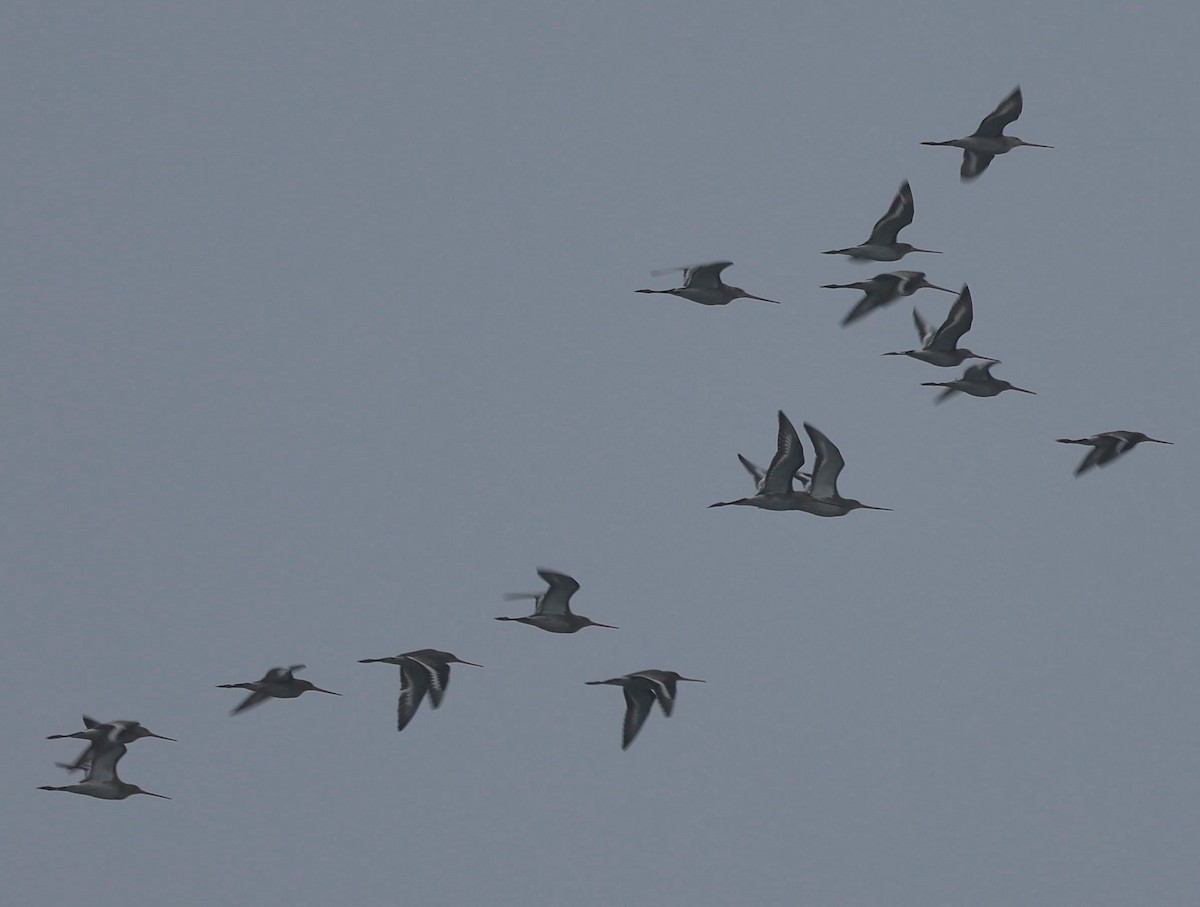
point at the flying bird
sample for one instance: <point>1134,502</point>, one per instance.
<point>989,139</point>
<point>1107,446</point>
<point>940,347</point>
<point>277,683</point>
<point>882,245</point>
<point>702,284</point>
<point>103,736</point>
<point>422,671</point>
<point>102,780</point>
<point>552,609</point>
<point>821,498</point>
<point>881,290</point>
<point>976,381</point>
<point>641,689</point>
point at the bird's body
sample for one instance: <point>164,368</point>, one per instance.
<point>421,671</point>
<point>976,381</point>
<point>881,290</point>
<point>775,491</point>
<point>277,683</point>
<point>552,609</point>
<point>102,781</point>
<point>1107,446</point>
<point>882,244</point>
<point>989,139</point>
<point>103,736</point>
<point>940,347</point>
<point>702,284</point>
<point>641,689</point>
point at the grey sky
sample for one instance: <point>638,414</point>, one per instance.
<point>319,335</point>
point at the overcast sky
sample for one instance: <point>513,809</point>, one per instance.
<point>319,335</point>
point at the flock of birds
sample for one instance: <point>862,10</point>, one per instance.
<point>427,671</point>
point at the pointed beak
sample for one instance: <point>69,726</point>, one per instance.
<point>367,661</point>
<point>1035,145</point>
<point>608,626</point>
<point>160,796</point>
<point>934,286</point>
<point>693,679</point>
<point>930,251</point>
<point>330,692</point>
<point>1022,390</point>
<point>1156,441</point>
<point>763,299</point>
<point>161,737</point>
<point>471,663</point>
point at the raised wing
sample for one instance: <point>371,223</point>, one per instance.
<point>556,599</point>
<point>756,472</point>
<point>706,276</point>
<point>281,675</point>
<point>1006,111</point>
<point>898,216</point>
<point>957,323</point>
<point>979,374</point>
<point>829,465</point>
<point>104,767</point>
<point>923,330</point>
<point>789,457</point>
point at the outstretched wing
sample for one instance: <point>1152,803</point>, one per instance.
<point>789,457</point>
<point>250,701</point>
<point>898,216</point>
<point>104,765</point>
<point>413,684</point>
<point>957,323</point>
<point>974,163</point>
<point>638,700</point>
<point>829,465</point>
<point>556,599</point>
<point>1006,111</point>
